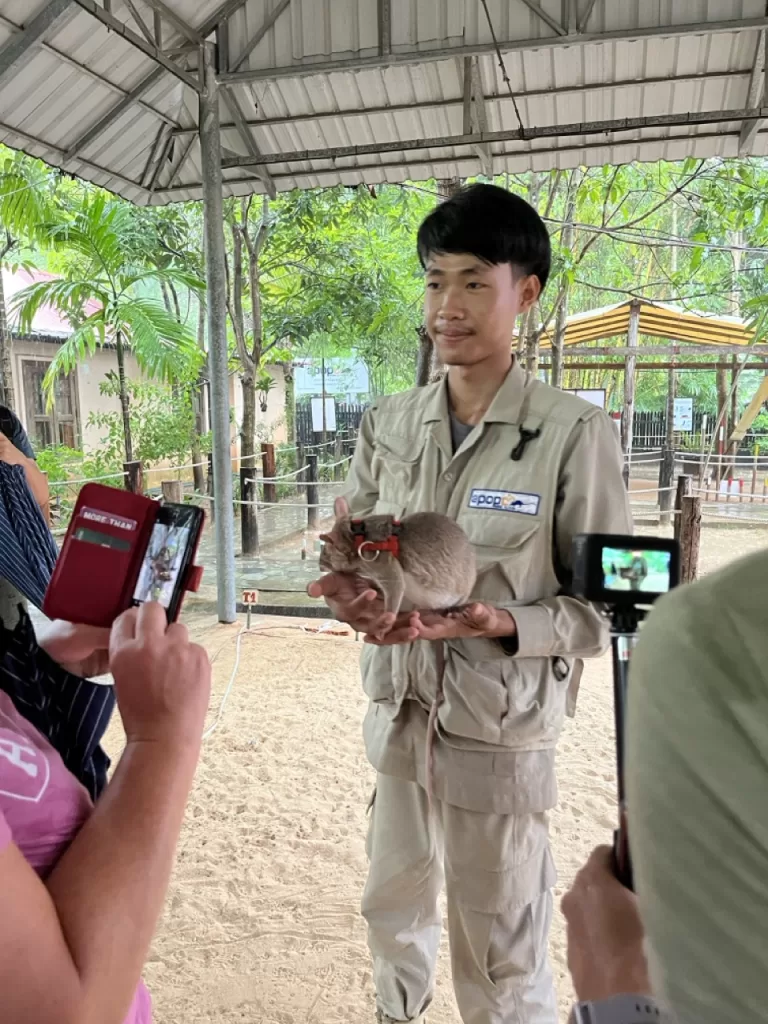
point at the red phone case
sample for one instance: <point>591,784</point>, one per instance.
<point>93,584</point>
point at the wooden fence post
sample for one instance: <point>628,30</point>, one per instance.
<point>210,487</point>
<point>338,470</point>
<point>690,538</point>
<point>753,488</point>
<point>134,477</point>
<point>249,524</point>
<point>666,476</point>
<point>684,490</point>
<point>310,474</point>
<point>269,470</point>
<point>173,491</point>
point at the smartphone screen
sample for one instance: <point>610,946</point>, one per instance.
<point>168,556</point>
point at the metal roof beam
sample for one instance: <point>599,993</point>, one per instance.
<point>181,161</point>
<point>224,12</point>
<point>571,15</point>
<point>230,101</point>
<point>555,131</point>
<point>756,96</point>
<point>582,25</point>
<point>256,38</point>
<point>88,72</point>
<point>478,49</point>
<point>146,176</point>
<point>444,104</point>
<point>148,49</point>
<point>167,14</point>
<point>404,166</point>
<point>116,112</point>
<point>16,51</point>
<point>384,10</point>
<point>553,23</point>
<point>143,26</point>
<point>33,141</point>
<point>475,119</point>
<point>161,160</point>
<point>132,97</point>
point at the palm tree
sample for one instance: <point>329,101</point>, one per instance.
<point>29,200</point>
<point>103,294</point>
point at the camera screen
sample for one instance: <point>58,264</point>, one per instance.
<point>639,571</point>
<point>162,563</point>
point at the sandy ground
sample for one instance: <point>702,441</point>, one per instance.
<point>262,920</point>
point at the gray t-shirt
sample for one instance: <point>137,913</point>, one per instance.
<point>459,432</point>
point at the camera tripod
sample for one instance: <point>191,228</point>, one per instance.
<point>625,623</point>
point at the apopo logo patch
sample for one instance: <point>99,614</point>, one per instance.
<point>505,501</point>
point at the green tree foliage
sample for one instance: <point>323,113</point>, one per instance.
<point>334,272</point>
<point>103,293</point>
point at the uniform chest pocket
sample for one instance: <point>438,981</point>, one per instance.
<point>395,465</point>
<point>513,558</point>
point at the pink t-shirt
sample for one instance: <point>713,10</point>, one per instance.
<point>43,807</point>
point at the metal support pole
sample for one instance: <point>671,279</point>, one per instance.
<point>310,475</point>
<point>216,278</point>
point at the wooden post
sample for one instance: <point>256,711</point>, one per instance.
<point>310,475</point>
<point>134,477</point>
<point>249,524</point>
<point>690,538</point>
<point>173,491</point>
<point>754,475</point>
<point>684,490</point>
<point>666,476</point>
<point>338,471</point>
<point>269,469</point>
<point>210,487</point>
<point>628,413</point>
<point>720,449</point>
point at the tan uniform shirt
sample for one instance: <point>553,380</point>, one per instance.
<point>502,714</point>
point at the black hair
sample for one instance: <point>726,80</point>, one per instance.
<point>491,223</point>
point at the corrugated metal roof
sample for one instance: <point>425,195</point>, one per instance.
<point>655,319</point>
<point>322,78</point>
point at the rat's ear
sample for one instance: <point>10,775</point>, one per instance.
<point>340,508</point>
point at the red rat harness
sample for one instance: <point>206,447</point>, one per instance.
<point>391,544</point>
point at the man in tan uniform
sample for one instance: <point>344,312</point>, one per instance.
<point>522,468</point>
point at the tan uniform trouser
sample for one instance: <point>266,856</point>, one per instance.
<point>498,874</point>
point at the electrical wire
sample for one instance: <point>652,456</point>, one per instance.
<point>503,66</point>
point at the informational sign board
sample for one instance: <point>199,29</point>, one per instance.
<point>683,415</point>
<point>342,377</point>
<point>594,395</point>
<point>317,414</point>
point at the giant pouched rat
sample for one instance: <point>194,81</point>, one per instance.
<point>434,568</point>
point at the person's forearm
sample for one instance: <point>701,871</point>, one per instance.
<point>37,480</point>
<point>564,627</point>
<point>109,887</point>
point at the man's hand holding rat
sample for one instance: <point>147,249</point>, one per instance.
<point>474,621</point>
<point>352,600</point>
